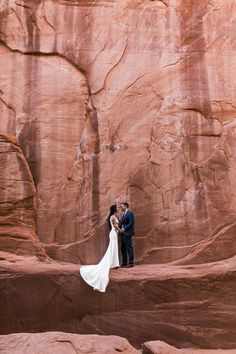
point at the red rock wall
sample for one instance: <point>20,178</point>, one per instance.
<point>17,204</point>
<point>115,100</point>
<point>190,306</point>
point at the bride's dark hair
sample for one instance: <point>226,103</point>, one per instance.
<point>113,210</point>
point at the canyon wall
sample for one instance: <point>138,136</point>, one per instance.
<point>18,237</point>
<point>125,100</point>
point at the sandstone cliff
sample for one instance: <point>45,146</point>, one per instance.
<point>17,204</point>
<point>113,100</point>
<point>117,100</point>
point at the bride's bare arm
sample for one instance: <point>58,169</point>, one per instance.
<point>115,223</point>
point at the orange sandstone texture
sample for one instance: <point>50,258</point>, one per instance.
<point>64,343</point>
<point>158,347</point>
<point>110,101</point>
<point>17,204</point>
<point>115,100</point>
<point>187,306</point>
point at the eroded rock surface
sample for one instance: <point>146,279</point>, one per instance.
<point>17,204</point>
<point>158,347</point>
<point>185,306</point>
<point>52,120</point>
<point>110,101</point>
<point>63,343</point>
<point>117,100</point>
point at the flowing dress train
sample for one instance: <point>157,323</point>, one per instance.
<point>97,275</point>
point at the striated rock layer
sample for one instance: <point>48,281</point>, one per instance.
<point>113,100</point>
<point>67,343</point>
<point>158,347</point>
<point>191,306</point>
<point>122,99</point>
<point>17,204</point>
<point>63,343</point>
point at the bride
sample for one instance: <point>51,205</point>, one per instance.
<point>97,275</point>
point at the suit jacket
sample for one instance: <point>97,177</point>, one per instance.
<point>128,223</point>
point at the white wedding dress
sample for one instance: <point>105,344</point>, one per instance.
<point>97,275</point>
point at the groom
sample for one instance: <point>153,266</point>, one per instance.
<point>127,224</point>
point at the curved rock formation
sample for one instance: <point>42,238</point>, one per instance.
<point>53,120</point>
<point>117,100</point>
<point>17,204</point>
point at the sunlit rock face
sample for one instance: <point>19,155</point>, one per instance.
<point>17,204</point>
<point>61,343</point>
<point>51,116</point>
<point>125,100</point>
<point>159,347</point>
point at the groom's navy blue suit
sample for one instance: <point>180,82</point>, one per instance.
<point>127,223</point>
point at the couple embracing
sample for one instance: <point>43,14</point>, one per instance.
<point>97,275</point>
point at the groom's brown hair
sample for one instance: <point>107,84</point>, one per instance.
<point>126,204</point>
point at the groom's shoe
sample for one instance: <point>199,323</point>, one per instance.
<point>130,265</point>
<point>124,266</point>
